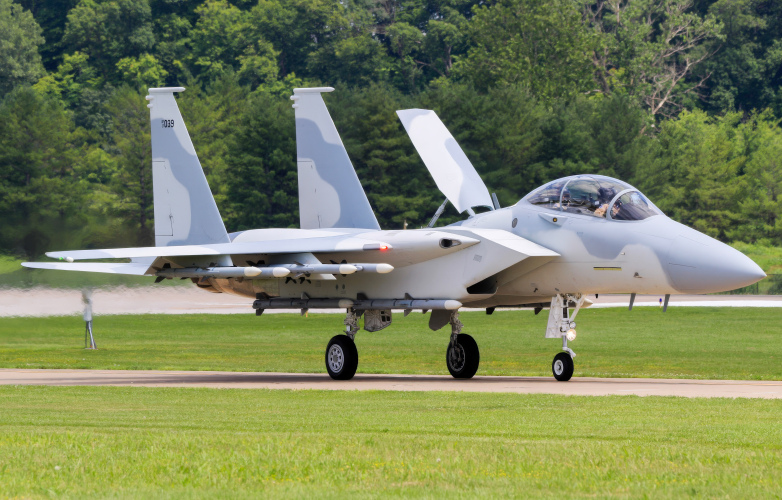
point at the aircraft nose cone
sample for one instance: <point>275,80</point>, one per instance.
<point>700,264</point>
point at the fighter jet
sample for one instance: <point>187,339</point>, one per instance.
<point>573,237</point>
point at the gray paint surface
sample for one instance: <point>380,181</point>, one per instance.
<point>523,254</point>
<point>330,194</point>
<point>451,170</point>
<point>185,210</point>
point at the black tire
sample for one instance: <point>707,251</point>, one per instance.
<point>562,367</point>
<point>463,359</point>
<point>341,358</point>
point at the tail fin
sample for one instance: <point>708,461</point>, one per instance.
<point>330,194</point>
<point>185,210</point>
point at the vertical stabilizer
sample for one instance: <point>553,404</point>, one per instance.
<point>185,210</point>
<point>330,194</point>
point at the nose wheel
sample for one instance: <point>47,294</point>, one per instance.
<point>562,366</point>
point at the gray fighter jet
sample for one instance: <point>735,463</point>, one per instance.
<point>581,235</point>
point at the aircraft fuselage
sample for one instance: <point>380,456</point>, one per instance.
<point>652,256</point>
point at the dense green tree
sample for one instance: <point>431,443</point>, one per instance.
<point>212,116</point>
<point>745,72</point>
<point>224,39</point>
<point>531,89</point>
<point>650,49</point>
<point>298,28</point>
<point>261,175</point>
<point>695,180</point>
<point>537,44</point>
<point>608,135</point>
<point>760,202</point>
<point>173,50</point>
<point>129,143</point>
<point>143,72</point>
<point>72,78</point>
<point>108,31</point>
<point>500,132</point>
<point>397,184</point>
<point>38,198</point>
<point>50,15</point>
<point>426,37</point>
<point>20,37</point>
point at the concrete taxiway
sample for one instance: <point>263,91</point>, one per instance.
<point>580,386</point>
<point>40,301</point>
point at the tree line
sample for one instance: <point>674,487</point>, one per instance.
<point>678,97</point>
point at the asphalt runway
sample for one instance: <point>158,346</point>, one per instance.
<point>578,386</point>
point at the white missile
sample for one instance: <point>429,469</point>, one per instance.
<point>225,272</point>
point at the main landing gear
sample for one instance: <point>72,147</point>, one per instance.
<point>462,356</point>
<point>341,353</point>
<point>561,324</point>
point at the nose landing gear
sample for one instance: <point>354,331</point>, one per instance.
<point>561,324</point>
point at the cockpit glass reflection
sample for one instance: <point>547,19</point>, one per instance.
<point>632,206</point>
<point>592,195</point>
<point>548,196</point>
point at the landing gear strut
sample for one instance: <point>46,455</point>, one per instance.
<point>561,324</point>
<point>462,356</point>
<point>341,352</point>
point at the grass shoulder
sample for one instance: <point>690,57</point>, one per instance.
<point>90,442</point>
<point>685,342</point>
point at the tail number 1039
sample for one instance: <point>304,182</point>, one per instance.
<point>168,123</point>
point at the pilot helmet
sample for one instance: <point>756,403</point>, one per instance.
<point>606,194</point>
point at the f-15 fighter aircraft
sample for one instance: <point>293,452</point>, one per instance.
<point>586,234</point>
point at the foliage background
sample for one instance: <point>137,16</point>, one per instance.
<point>681,98</point>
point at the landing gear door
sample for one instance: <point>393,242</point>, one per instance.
<point>375,320</point>
<point>554,318</point>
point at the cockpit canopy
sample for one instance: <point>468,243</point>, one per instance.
<point>594,195</point>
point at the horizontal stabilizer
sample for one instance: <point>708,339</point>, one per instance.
<point>314,245</point>
<point>452,171</point>
<point>92,267</point>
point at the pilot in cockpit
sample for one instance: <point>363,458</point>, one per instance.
<point>565,200</point>
<point>605,195</point>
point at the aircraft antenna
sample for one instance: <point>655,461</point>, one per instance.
<point>438,214</point>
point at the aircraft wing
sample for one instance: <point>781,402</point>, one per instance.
<point>452,171</point>
<point>311,245</point>
<point>132,268</point>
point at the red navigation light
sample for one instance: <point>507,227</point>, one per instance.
<point>383,248</point>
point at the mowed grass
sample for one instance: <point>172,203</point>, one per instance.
<point>82,442</point>
<point>685,342</point>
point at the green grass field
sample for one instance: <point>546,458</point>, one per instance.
<point>104,442</point>
<point>685,342</point>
